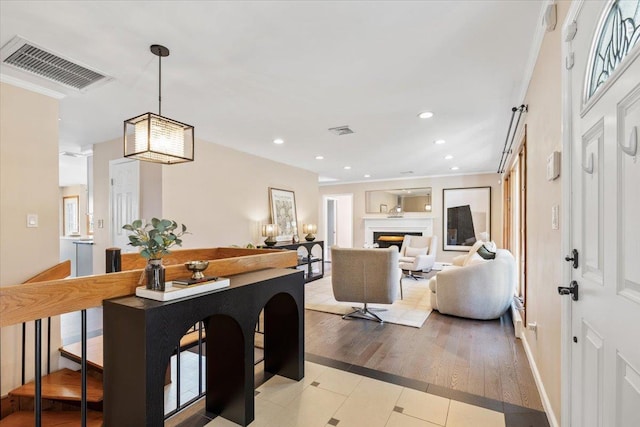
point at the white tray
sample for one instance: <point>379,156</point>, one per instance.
<point>174,292</point>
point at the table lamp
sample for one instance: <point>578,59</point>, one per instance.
<point>310,229</point>
<point>270,232</point>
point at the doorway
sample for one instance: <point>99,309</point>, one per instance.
<point>338,222</point>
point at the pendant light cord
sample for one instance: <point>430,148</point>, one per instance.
<point>160,85</point>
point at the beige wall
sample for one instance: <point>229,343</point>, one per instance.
<point>544,265</point>
<point>223,196</point>
<point>436,184</point>
<point>28,184</point>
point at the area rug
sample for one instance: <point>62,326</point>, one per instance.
<point>413,310</point>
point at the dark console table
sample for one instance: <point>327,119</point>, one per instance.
<point>307,260</point>
<point>140,336</point>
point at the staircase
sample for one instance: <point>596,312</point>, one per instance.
<point>61,395</point>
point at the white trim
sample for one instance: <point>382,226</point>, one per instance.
<point>565,306</point>
<point>4,78</point>
<point>546,403</point>
<point>333,183</point>
<point>381,224</point>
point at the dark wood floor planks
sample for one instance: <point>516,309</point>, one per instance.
<point>478,357</point>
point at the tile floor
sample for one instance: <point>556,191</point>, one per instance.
<point>335,396</point>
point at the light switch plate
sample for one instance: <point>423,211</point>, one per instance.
<point>32,220</point>
<point>553,166</point>
<point>555,214</point>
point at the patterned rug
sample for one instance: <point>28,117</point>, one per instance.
<point>413,310</point>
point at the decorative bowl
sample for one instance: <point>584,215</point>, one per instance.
<point>197,267</point>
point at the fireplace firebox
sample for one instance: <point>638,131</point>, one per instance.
<point>385,239</point>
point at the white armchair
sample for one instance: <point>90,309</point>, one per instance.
<point>418,254</point>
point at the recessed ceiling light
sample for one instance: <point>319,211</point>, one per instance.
<point>425,115</point>
<point>455,168</point>
<point>439,141</point>
<point>319,157</point>
<point>278,141</point>
<point>347,167</point>
<point>367,176</point>
<point>448,157</point>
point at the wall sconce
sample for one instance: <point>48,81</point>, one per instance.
<point>270,231</point>
<point>310,229</point>
<point>153,138</point>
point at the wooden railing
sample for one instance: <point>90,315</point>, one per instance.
<point>47,294</point>
<point>31,301</point>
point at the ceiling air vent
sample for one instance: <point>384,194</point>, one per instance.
<point>24,55</point>
<point>341,130</point>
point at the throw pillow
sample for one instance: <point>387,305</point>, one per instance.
<point>414,252</point>
<point>485,252</point>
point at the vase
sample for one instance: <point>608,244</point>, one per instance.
<point>155,275</point>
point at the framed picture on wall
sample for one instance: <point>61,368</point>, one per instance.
<point>466,217</point>
<point>283,213</point>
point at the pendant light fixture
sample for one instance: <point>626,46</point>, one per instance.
<point>153,138</point>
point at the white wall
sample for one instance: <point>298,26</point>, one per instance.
<point>28,184</point>
<point>437,184</point>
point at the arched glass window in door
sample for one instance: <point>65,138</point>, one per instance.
<point>619,31</point>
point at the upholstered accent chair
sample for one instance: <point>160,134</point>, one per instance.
<point>474,287</point>
<point>365,276</point>
<point>418,254</point>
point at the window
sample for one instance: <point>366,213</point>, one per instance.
<point>617,35</point>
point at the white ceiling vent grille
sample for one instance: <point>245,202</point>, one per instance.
<point>28,57</point>
<point>341,130</point>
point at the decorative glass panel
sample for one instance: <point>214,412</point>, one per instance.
<point>620,31</point>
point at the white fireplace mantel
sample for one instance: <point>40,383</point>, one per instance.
<point>409,224</point>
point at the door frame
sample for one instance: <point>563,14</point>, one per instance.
<point>565,177</point>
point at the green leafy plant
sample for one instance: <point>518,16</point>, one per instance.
<point>156,237</point>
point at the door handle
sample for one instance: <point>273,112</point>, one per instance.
<point>572,290</point>
<point>573,257</point>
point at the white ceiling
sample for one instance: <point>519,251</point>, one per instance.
<point>244,73</point>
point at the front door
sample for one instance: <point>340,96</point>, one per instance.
<point>604,91</point>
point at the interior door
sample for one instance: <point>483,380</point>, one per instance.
<point>330,228</point>
<point>605,218</point>
<point>125,199</point>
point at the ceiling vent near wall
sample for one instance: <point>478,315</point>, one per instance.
<point>341,130</point>
<point>28,57</point>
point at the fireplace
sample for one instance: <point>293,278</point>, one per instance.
<point>385,239</point>
<point>420,226</point>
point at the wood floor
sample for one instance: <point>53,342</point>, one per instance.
<point>478,357</point>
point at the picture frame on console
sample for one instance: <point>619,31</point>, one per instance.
<point>283,213</point>
<point>466,217</point>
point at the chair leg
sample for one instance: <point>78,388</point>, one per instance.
<point>363,313</point>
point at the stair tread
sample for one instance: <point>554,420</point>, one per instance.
<point>51,419</point>
<point>94,352</point>
<point>63,385</point>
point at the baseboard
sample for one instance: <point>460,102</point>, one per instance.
<point>551,416</point>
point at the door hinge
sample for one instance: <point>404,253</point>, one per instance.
<point>112,181</point>
<point>569,60</point>
<point>575,339</point>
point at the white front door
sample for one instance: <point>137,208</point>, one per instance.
<point>125,199</point>
<point>605,216</point>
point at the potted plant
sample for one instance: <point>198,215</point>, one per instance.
<point>155,239</point>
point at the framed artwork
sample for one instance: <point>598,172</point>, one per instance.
<point>70,215</point>
<point>283,213</point>
<point>466,217</point>
<point>383,208</point>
